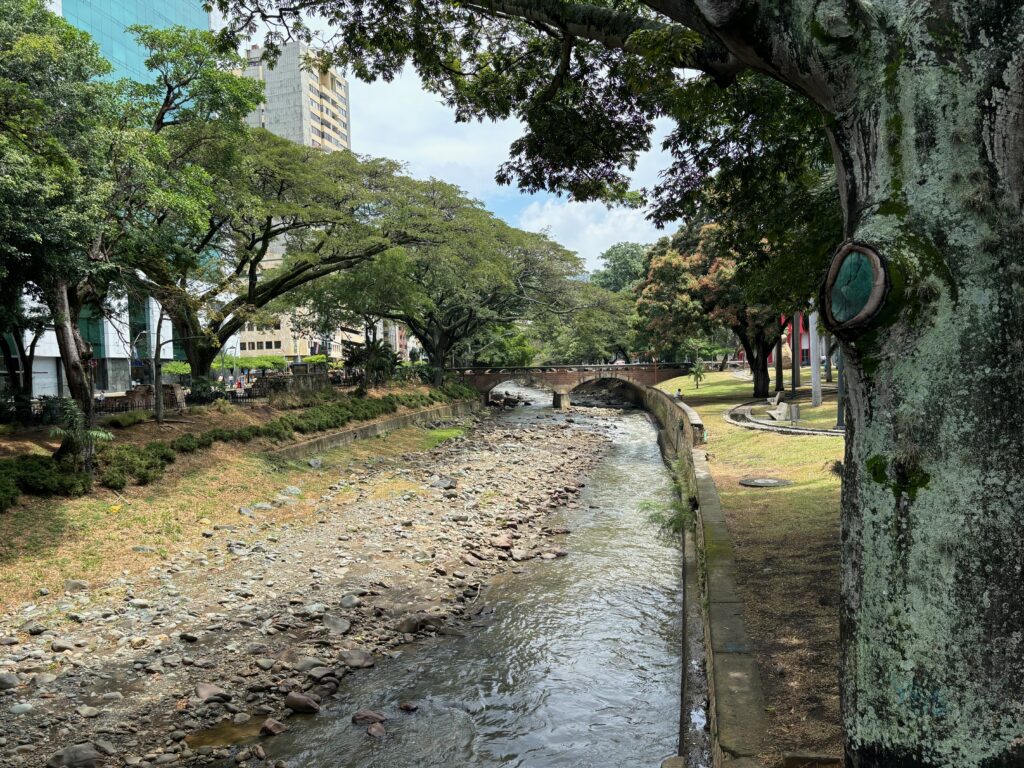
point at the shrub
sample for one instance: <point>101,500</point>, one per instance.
<point>126,419</point>
<point>185,444</point>
<point>161,452</point>
<point>42,476</point>
<point>114,478</point>
<point>8,491</point>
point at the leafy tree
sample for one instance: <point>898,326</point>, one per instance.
<point>691,290</point>
<point>54,121</point>
<point>478,273</point>
<point>624,267</point>
<point>599,330</point>
<point>921,102</point>
<point>498,346</point>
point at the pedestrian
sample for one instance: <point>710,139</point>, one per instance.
<point>679,393</point>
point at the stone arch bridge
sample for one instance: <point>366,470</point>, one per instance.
<point>563,379</point>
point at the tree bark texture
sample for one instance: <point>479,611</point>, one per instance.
<point>929,138</point>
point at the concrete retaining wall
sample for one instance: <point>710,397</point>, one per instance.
<point>331,440</point>
<point>676,437</point>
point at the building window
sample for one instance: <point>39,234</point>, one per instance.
<point>277,345</point>
<point>259,345</point>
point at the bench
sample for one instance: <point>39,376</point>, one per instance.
<point>780,413</point>
<point>774,401</point>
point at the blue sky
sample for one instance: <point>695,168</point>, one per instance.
<point>402,121</point>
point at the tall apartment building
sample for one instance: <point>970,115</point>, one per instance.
<point>122,341</point>
<point>309,108</point>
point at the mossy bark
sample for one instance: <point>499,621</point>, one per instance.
<point>929,138</point>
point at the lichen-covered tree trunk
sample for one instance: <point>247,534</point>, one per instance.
<point>927,298</point>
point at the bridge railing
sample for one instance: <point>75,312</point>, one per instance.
<point>572,368</point>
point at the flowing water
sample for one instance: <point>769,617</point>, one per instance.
<point>576,662</point>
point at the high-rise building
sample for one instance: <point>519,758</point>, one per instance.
<point>108,20</point>
<point>306,106</point>
<point>311,109</point>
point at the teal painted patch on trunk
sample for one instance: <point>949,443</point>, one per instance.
<point>852,288</point>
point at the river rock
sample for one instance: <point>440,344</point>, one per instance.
<point>76,585</point>
<point>471,561</point>
<point>207,692</point>
<point>356,658</point>
<point>408,706</point>
<point>83,755</point>
<point>87,711</point>
<point>8,680</point>
<point>272,727</point>
<point>409,625</point>
<point>377,731</point>
<point>502,541</point>
<point>368,717</point>
<point>301,703</point>
<point>350,601</point>
<point>336,624</point>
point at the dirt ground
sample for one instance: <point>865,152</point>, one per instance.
<point>787,556</point>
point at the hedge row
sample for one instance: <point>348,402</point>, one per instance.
<point>120,464</point>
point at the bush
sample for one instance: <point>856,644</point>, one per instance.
<point>185,444</point>
<point>8,491</point>
<point>42,476</point>
<point>114,478</point>
<point>126,419</point>
<point>161,452</point>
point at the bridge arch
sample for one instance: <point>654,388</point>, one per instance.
<point>562,380</point>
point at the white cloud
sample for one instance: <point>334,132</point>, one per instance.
<point>404,122</point>
<point>587,228</point>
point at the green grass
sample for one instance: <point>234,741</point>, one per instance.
<point>787,551</point>
<point>434,437</point>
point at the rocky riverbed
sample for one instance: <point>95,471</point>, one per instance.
<point>262,625</point>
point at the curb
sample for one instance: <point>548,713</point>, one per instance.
<point>735,697</point>
<point>749,422</point>
<point>376,428</point>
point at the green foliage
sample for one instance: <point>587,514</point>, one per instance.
<point>601,329</point>
<point>698,372</point>
<point>177,368</point>
<point>376,358</point>
<point>40,476</point>
<point>624,267</point>
<point>127,419</point>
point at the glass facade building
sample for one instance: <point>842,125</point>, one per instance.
<point>106,21</point>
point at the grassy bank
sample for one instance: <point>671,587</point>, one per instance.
<point>787,549</point>
<point>132,460</point>
<point>97,537</point>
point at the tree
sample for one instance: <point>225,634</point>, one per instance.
<point>921,103</point>
<point>478,273</point>
<point>498,346</point>
<point>624,267</point>
<point>599,329</point>
<point>691,291</point>
<point>54,115</point>
<point>290,216</point>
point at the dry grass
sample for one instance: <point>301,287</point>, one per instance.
<point>787,555</point>
<point>43,542</point>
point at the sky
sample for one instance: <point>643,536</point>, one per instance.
<point>402,121</point>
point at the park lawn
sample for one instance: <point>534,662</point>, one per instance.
<point>787,556</point>
<point>44,542</point>
<point>822,417</point>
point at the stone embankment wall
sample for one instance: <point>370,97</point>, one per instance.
<point>676,437</point>
<point>381,427</point>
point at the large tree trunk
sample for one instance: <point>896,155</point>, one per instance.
<point>75,354</point>
<point>932,177</point>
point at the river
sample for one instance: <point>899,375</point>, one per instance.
<point>574,662</point>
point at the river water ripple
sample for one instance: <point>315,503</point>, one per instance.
<point>575,662</point>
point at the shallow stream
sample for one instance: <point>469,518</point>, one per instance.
<point>574,662</point>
